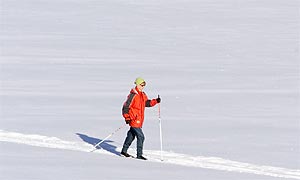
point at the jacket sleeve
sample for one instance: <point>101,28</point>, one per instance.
<point>126,106</point>
<point>150,103</point>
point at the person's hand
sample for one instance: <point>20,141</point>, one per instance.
<point>127,121</point>
<point>158,100</point>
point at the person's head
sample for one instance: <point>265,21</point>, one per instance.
<point>140,83</point>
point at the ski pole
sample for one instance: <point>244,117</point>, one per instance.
<point>160,132</point>
<point>95,147</point>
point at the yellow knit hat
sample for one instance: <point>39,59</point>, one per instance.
<point>139,81</point>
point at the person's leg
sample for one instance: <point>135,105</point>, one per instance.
<point>140,140</point>
<point>130,137</point>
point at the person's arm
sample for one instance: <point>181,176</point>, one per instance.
<point>153,102</point>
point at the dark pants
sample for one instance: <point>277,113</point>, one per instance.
<point>131,134</point>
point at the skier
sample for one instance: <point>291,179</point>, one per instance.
<point>133,112</point>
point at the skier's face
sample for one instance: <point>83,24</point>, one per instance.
<point>141,86</point>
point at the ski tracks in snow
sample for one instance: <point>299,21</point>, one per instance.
<point>154,156</point>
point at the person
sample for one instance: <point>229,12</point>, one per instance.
<point>133,112</point>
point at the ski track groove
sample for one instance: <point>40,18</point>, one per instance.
<point>154,156</point>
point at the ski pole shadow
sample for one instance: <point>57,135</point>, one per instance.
<point>104,145</point>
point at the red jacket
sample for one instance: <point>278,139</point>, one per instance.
<point>134,107</point>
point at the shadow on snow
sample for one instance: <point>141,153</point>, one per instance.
<point>104,145</point>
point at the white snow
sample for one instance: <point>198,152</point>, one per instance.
<point>154,155</point>
<point>228,73</point>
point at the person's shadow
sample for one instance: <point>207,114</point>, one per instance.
<point>104,145</point>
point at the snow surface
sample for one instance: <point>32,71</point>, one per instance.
<point>228,73</point>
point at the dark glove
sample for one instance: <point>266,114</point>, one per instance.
<point>158,100</point>
<point>127,121</point>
